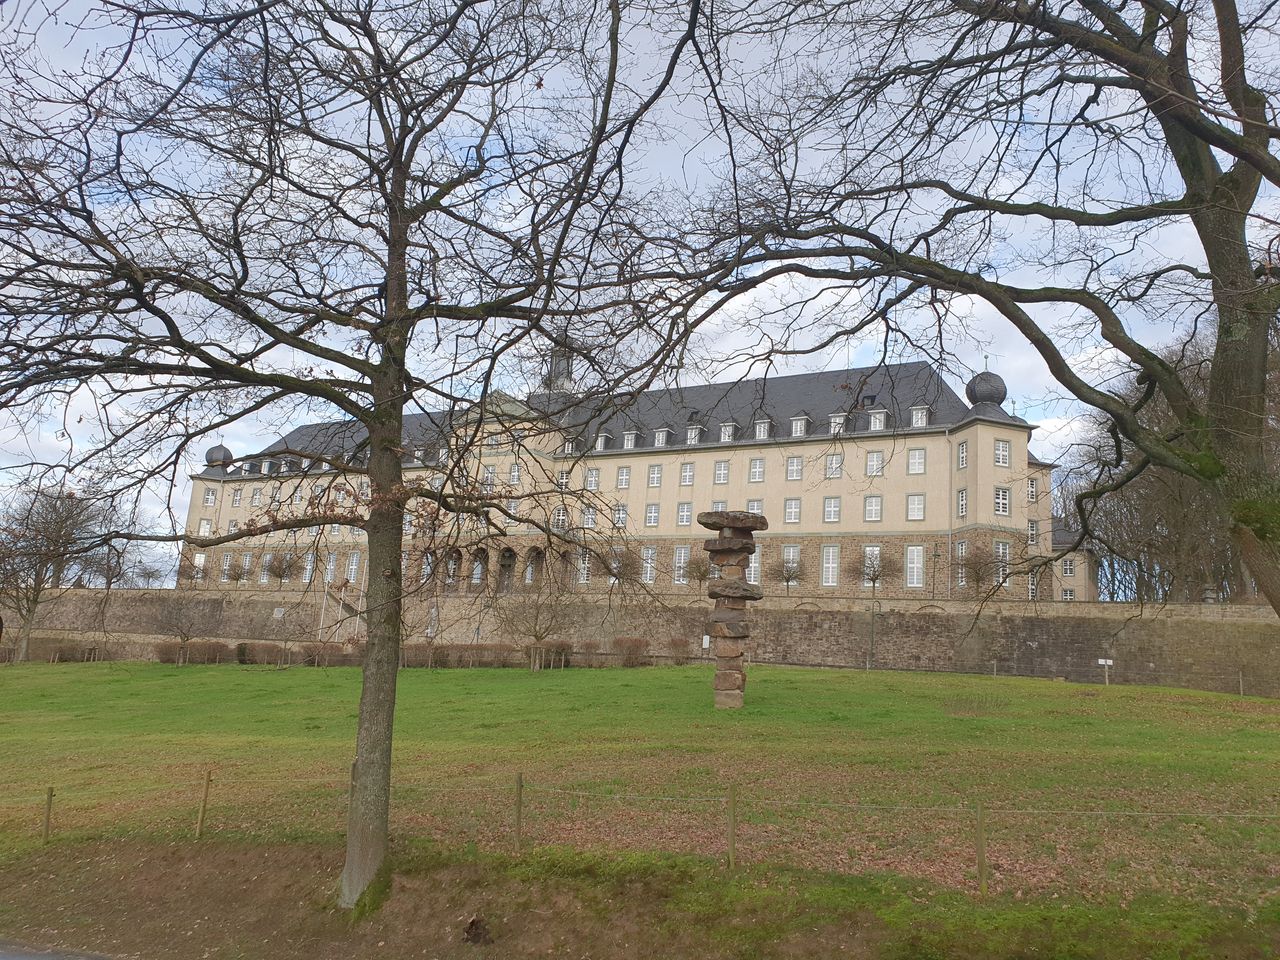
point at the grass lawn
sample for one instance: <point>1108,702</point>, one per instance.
<point>856,809</point>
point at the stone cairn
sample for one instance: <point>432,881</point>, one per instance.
<point>728,628</point>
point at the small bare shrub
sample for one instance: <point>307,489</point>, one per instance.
<point>631,651</point>
<point>680,649</point>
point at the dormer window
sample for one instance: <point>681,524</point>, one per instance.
<point>629,440</point>
<point>442,455</point>
<point>799,426</point>
<point>570,446</point>
<point>602,441</point>
<point>877,420</point>
<point>492,439</point>
<point>919,416</point>
<point>660,437</point>
<point>268,466</point>
<point>836,424</point>
<point>727,430</point>
<point>693,433</point>
<point>762,429</point>
<point>868,401</point>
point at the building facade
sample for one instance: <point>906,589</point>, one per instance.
<point>876,482</point>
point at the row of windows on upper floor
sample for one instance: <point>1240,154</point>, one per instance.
<point>832,512</point>
<point>790,572</point>
<point>833,468</point>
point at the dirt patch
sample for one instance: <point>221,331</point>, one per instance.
<point>219,902</point>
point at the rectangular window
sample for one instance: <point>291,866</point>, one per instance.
<point>835,465</point>
<point>602,441</point>
<point>791,510</point>
<point>1002,501</point>
<point>962,563</point>
<point>490,478</point>
<point>1068,593</point>
<point>919,416</point>
<point>872,508</point>
<point>755,471</point>
<point>798,426</point>
<point>795,468</point>
<point>660,438</point>
<point>1033,584</point>
<point>619,515</point>
<point>513,508</point>
<point>871,570</point>
<point>915,460</point>
<point>1032,492</point>
<point>962,502</point>
<point>513,474</point>
<point>562,480</point>
<point>655,475</point>
<point>726,432</point>
<point>584,565</point>
<point>875,463</point>
<point>831,509</point>
<point>876,420</point>
<point>721,472</point>
<point>791,556</point>
<point>593,478</point>
<point>692,434</point>
<point>752,573</point>
<point>297,494</point>
<point>570,447</point>
<point>680,566</point>
<point>1033,532</point>
<point>1002,562</point>
<point>560,518</point>
<point>686,474</point>
<point>915,566</point>
<point>830,565</point>
<point>762,429</point>
<point>1068,566</point>
<point>206,527</point>
<point>648,564</point>
<point>236,495</point>
<point>210,496</point>
<point>308,567</point>
<point>353,566</point>
<point>340,495</point>
<point>629,440</point>
<point>589,518</point>
<point>233,526</point>
<point>255,497</point>
<point>684,514</point>
<point>915,506</point>
<point>264,572</point>
<point>624,478</point>
<point>836,424</point>
<point>962,454</point>
<point>755,506</point>
<point>335,529</point>
<point>719,506</point>
<point>650,514</point>
<point>226,568</point>
<point>1002,453</point>
<point>330,566</point>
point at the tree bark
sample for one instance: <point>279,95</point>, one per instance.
<point>1262,560</point>
<point>24,639</point>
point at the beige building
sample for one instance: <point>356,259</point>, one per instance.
<point>876,482</point>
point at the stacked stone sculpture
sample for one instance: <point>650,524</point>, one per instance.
<point>728,628</point>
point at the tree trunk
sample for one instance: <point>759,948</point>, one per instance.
<point>368,810</point>
<point>1263,561</point>
<point>24,639</point>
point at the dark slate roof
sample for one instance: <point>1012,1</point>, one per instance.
<point>1065,536</point>
<point>894,388</point>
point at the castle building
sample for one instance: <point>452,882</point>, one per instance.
<point>877,482</point>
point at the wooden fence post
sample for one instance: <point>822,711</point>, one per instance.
<point>204,804</point>
<point>519,811</point>
<point>733,826</point>
<point>48,815</point>
<point>980,845</point>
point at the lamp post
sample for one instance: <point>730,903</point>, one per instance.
<point>937,558</point>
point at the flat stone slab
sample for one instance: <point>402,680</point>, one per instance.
<point>727,615</point>
<point>730,680</point>
<point>733,519</point>
<point>729,545</point>
<point>728,631</point>
<point>736,589</point>
<point>728,699</point>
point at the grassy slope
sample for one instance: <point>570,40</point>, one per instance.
<point>114,738</point>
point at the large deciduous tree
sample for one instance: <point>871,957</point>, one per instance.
<point>348,208</point>
<point>1100,175</point>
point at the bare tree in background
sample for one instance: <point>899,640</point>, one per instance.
<point>789,573</point>
<point>50,541</point>
<point>354,209</point>
<point>1099,175</point>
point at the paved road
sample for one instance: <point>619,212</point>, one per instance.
<point>14,951</point>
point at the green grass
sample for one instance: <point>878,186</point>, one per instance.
<point>817,757</point>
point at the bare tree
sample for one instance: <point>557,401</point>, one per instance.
<point>877,569</point>
<point>940,159</point>
<point>49,542</point>
<point>698,570</point>
<point>350,208</point>
<point>789,573</point>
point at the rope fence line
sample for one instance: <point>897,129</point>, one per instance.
<point>728,806</point>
